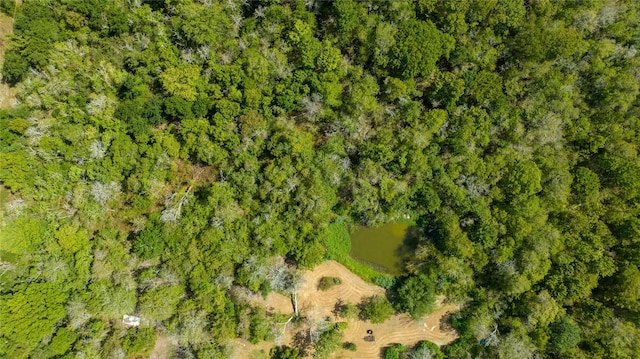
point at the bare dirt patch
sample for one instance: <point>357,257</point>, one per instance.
<point>317,306</point>
<point>162,348</point>
<point>242,349</point>
<point>274,303</point>
<point>7,93</point>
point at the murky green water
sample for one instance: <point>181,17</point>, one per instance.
<point>383,247</point>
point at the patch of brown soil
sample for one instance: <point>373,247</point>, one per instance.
<point>317,306</point>
<point>242,349</point>
<point>7,93</point>
<point>274,303</point>
<point>162,348</point>
<point>399,329</point>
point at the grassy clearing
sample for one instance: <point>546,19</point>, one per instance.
<point>338,245</point>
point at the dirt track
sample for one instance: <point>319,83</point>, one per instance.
<point>161,349</point>
<point>318,305</point>
<point>7,94</point>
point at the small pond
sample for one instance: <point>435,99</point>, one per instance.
<point>383,247</point>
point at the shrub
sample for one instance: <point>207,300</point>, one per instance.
<point>348,311</point>
<point>565,335</point>
<point>376,308</point>
<point>149,243</point>
<point>327,282</point>
<point>284,352</point>
<point>14,68</point>
<point>8,6</point>
<point>416,296</point>
<point>329,342</point>
<point>350,346</point>
<point>427,349</point>
<point>394,351</point>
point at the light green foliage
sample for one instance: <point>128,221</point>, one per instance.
<point>28,315</point>
<point>22,235</point>
<point>329,341</point>
<point>72,238</point>
<point>14,170</point>
<point>181,81</point>
<point>62,341</point>
<point>395,351</point>
<point>160,303</point>
<point>111,300</point>
<point>347,310</point>
<point>516,346</point>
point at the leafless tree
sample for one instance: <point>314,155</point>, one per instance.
<point>103,193</point>
<point>312,106</point>
<point>287,279</point>
<point>97,150</point>
<point>173,206</point>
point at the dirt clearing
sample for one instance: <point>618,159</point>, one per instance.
<point>7,94</point>
<point>318,306</point>
<point>161,349</point>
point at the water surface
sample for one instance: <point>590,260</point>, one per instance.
<point>382,247</point>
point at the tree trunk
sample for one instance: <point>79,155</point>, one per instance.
<point>295,303</point>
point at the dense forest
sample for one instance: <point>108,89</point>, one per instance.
<point>164,153</point>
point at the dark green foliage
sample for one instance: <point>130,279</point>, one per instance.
<point>349,346</point>
<point>15,66</point>
<point>139,342</point>
<point>150,242</point>
<point>8,6</point>
<point>37,29</point>
<point>564,335</point>
<point>284,352</point>
<point>419,45</point>
<point>415,295</point>
<point>260,326</point>
<point>377,309</point>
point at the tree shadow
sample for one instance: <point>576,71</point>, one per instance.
<point>302,341</point>
<point>408,247</point>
